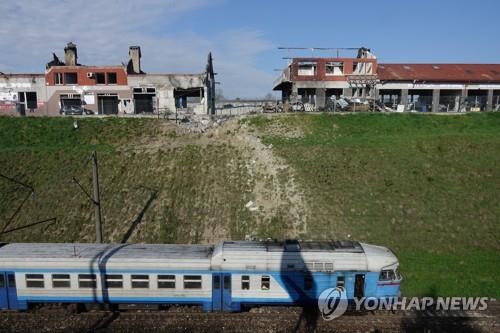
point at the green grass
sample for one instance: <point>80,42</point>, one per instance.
<point>427,186</point>
<point>202,188</point>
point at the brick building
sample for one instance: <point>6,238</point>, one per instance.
<point>420,87</point>
<point>121,89</point>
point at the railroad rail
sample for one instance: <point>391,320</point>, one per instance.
<point>268,319</point>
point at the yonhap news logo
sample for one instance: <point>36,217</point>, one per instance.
<point>333,303</point>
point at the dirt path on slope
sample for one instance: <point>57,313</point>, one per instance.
<point>277,194</point>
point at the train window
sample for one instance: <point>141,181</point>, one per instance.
<point>87,281</point>
<point>140,281</point>
<point>192,281</point>
<point>308,282</point>
<point>265,282</point>
<point>166,281</point>
<point>2,281</point>
<point>340,281</point>
<point>216,282</point>
<point>11,279</point>
<point>387,275</point>
<point>114,281</point>
<point>227,282</point>
<point>61,281</point>
<point>35,281</point>
<point>245,282</point>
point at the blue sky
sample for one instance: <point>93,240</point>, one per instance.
<point>176,35</point>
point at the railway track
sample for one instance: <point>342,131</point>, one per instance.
<point>282,319</point>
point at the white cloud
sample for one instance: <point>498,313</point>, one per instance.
<point>103,30</point>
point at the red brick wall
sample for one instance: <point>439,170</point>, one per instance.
<point>83,80</point>
<point>321,70</point>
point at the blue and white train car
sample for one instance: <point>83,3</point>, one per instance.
<point>225,277</point>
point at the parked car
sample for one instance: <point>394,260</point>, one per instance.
<point>74,110</point>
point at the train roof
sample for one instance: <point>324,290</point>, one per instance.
<point>102,251</point>
<point>295,246</point>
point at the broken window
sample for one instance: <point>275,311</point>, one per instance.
<point>70,78</point>
<point>306,68</point>
<point>334,68</point>
<point>31,101</point>
<point>111,78</point>
<point>100,78</point>
<point>58,78</point>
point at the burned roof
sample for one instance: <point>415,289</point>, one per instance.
<point>485,73</point>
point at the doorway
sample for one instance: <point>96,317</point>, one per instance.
<point>107,104</point>
<point>144,100</point>
<point>359,286</point>
<point>8,291</point>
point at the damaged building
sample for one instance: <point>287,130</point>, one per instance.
<point>68,87</point>
<point>401,87</point>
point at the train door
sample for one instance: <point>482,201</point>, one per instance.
<point>359,286</point>
<point>4,303</point>
<point>12,291</point>
<point>8,292</point>
<point>216,292</point>
<point>226,292</point>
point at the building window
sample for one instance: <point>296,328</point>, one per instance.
<point>58,78</point>
<point>140,281</point>
<point>70,78</point>
<point>35,281</point>
<point>114,281</point>
<point>307,68</point>
<point>308,282</point>
<point>265,283</point>
<point>334,68</point>
<point>245,282</point>
<point>100,78</point>
<point>192,282</point>
<point>61,281</point>
<point>111,78</point>
<point>166,281</point>
<point>87,281</point>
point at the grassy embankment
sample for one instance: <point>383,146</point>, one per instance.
<point>427,186</point>
<point>201,187</point>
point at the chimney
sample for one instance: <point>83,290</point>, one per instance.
<point>70,56</point>
<point>134,54</point>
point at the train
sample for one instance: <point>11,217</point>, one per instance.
<point>230,276</point>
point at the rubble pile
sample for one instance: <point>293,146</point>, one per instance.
<point>200,123</point>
